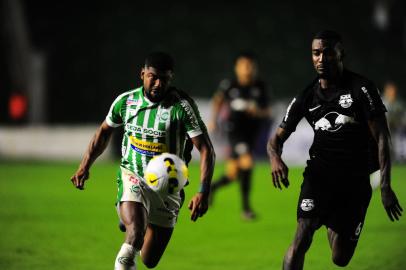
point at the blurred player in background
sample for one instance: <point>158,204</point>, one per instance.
<point>396,119</point>
<point>344,110</point>
<point>246,102</point>
<point>156,118</point>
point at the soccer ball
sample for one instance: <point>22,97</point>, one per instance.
<point>166,174</point>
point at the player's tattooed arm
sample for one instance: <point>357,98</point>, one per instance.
<point>96,147</point>
<point>199,203</point>
<point>380,131</point>
<point>278,166</point>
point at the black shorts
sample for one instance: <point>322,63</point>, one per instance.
<point>242,141</point>
<point>340,202</point>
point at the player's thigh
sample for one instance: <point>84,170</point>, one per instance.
<point>305,230</point>
<point>232,168</point>
<point>347,215</point>
<point>245,161</point>
<point>340,243</point>
<point>346,222</point>
<point>133,214</point>
<point>155,242</point>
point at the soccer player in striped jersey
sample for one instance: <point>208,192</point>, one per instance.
<point>156,118</point>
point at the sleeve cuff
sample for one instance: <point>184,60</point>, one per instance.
<point>111,123</point>
<point>194,133</point>
<point>284,125</point>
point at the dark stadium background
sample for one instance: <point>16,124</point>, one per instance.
<point>94,50</point>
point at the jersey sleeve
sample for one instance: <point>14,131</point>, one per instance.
<point>294,113</point>
<point>371,102</point>
<point>114,118</point>
<point>190,116</point>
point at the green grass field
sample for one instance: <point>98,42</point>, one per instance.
<point>47,224</point>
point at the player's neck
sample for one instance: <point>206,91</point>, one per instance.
<point>242,81</point>
<point>331,81</point>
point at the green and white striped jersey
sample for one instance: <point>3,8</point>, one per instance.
<point>153,128</point>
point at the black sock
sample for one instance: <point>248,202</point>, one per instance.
<point>223,181</point>
<point>245,184</point>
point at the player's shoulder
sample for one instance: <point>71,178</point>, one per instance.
<point>130,94</point>
<point>177,97</point>
<point>308,91</point>
<point>357,81</point>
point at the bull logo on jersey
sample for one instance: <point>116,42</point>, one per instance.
<point>345,101</point>
<point>307,205</point>
<point>333,121</point>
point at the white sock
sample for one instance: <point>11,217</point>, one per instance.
<point>126,258</point>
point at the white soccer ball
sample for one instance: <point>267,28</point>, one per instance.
<point>166,174</point>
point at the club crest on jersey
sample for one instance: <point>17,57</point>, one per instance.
<point>164,115</point>
<point>307,205</point>
<point>345,101</point>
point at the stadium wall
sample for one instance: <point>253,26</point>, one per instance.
<point>68,143</point>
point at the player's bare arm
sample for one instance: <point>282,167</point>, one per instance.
<point>259,112</point>
<point>96,147</point>
<point>278,166</point>
<point>218,101</point>
<point>380,131</point>
<point>199,203</point>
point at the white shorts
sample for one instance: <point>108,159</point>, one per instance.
<point>162,211</point>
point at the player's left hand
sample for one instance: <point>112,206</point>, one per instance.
<point>391,203</point>
<point>198,205</point>
<point>252,109</point>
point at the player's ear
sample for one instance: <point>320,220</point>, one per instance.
<point>340,51</point>
<point>171,76</point>
<point>142,73</point>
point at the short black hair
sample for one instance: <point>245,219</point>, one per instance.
<point>330,35</point>
<point>246,54</point>
<point>160,60</point>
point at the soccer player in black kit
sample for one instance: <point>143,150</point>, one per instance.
<point>345,111</point>
<point>247,106</point>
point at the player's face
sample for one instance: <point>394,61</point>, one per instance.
<point>156,82</point>
<point>326,58</point>
<point>245,69</point>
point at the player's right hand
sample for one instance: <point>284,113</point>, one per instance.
<point>198,205</point>
<point>79,178</point>
<point>279,172</point>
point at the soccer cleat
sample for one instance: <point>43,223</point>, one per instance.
<point>248,215</point>
<point>125,263</point>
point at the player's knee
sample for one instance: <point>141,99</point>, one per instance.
<point>342,258</point>
<point>135,236</point>
<point>150,263</point>
<point>246,162</point>
<point>341,261</point>
<point>302,243</point>
<point>304,237</point>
